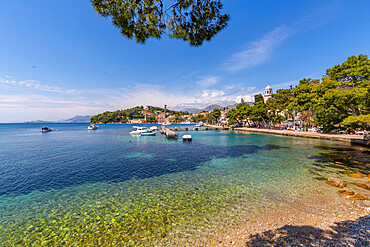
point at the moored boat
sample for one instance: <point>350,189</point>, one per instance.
<point>140,130</point>
<point>187,137</point>
<point>92,127</point>
<point>154,128</point>
<point>152,133</point>
<point>46,129</point>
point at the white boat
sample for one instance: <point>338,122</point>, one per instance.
<point>140,130</point>
<point>154,128</point>
<point>164,124</point>
<point>46,129</point>
<point>92,127</point>
<point>187,137</point>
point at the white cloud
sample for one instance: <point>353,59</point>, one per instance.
<point>206,93</point>
<point>20,106</point>
<point>257,51</point>
<point>32,84</point>
<point>208,81</point>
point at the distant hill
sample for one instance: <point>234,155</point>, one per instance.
<point>195,108</point>
<point>77,119</point>
<point>39,121</point>
<point>191,110</point>
<point>212,107</point>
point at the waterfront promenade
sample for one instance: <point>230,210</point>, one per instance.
<point>354,139</point>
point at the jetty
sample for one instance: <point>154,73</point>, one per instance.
<point>168,132</point>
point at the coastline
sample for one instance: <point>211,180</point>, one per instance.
<point>353,139</point>
<point>313,221</point>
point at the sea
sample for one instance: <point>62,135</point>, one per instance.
<point>75,187</point>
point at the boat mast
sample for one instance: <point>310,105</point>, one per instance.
<point>164,119</point>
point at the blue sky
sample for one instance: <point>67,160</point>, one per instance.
<point>84,66</point>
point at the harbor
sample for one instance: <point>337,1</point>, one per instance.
<point>185,123</point>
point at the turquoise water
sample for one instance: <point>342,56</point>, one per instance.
<point>74,187</point>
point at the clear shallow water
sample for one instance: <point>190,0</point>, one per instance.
<point>105,187</point>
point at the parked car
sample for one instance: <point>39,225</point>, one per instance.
<point>359,132</point>
<point>313,129</point>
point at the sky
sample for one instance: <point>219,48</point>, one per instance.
<point>59,59</point>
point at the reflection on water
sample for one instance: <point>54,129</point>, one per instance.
<point>75,187</point>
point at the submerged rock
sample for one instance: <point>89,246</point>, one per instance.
<point>356,175</point>
<point>346,193</point>
<point>336,182</point>
<point>365,185</point>
<point>357,197</point>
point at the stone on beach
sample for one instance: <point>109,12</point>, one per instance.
<point>346,193</point>
<point>350,195</point>
<point>336,182</point>
<point>365,185</point>
<point>356,197</point>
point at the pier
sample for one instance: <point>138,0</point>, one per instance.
<point>169,133</point>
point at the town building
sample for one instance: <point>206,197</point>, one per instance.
<point>136,121</point>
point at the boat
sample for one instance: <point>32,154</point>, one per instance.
<point>140,130</point>
<point>154,128</point>
<point>46,129</point>
<point>187,138</point>
<point>152,133</point>
<point>164,124</point>
<point>92,127</point>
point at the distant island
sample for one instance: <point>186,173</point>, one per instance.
<point>75,119</point>
<point>139,114</point>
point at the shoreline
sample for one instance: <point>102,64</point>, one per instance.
<point>353,139</point>
<point>324,219</point>
<point>314,221</point>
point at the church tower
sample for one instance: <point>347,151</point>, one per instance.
<point>268,93</point>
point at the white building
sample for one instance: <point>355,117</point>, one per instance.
<point>268,93</point>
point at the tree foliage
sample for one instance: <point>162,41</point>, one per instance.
<point>122,116</point>
<point>216,113</point>
<point>194,21</point>
<point>151,119</point>
<point>342,95</point>
<point>354,122</point>
<point>119,116</point>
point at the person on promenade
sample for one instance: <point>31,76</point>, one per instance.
<point>365,134</point>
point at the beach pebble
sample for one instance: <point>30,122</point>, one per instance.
<point>336,182</point>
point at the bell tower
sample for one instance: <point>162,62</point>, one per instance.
<point>268,93</point>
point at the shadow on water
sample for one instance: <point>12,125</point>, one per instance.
<point>115,164</point>
<point>346,233</point>
<point>349,157</point>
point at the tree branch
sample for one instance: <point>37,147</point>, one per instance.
<point>172,6</point>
